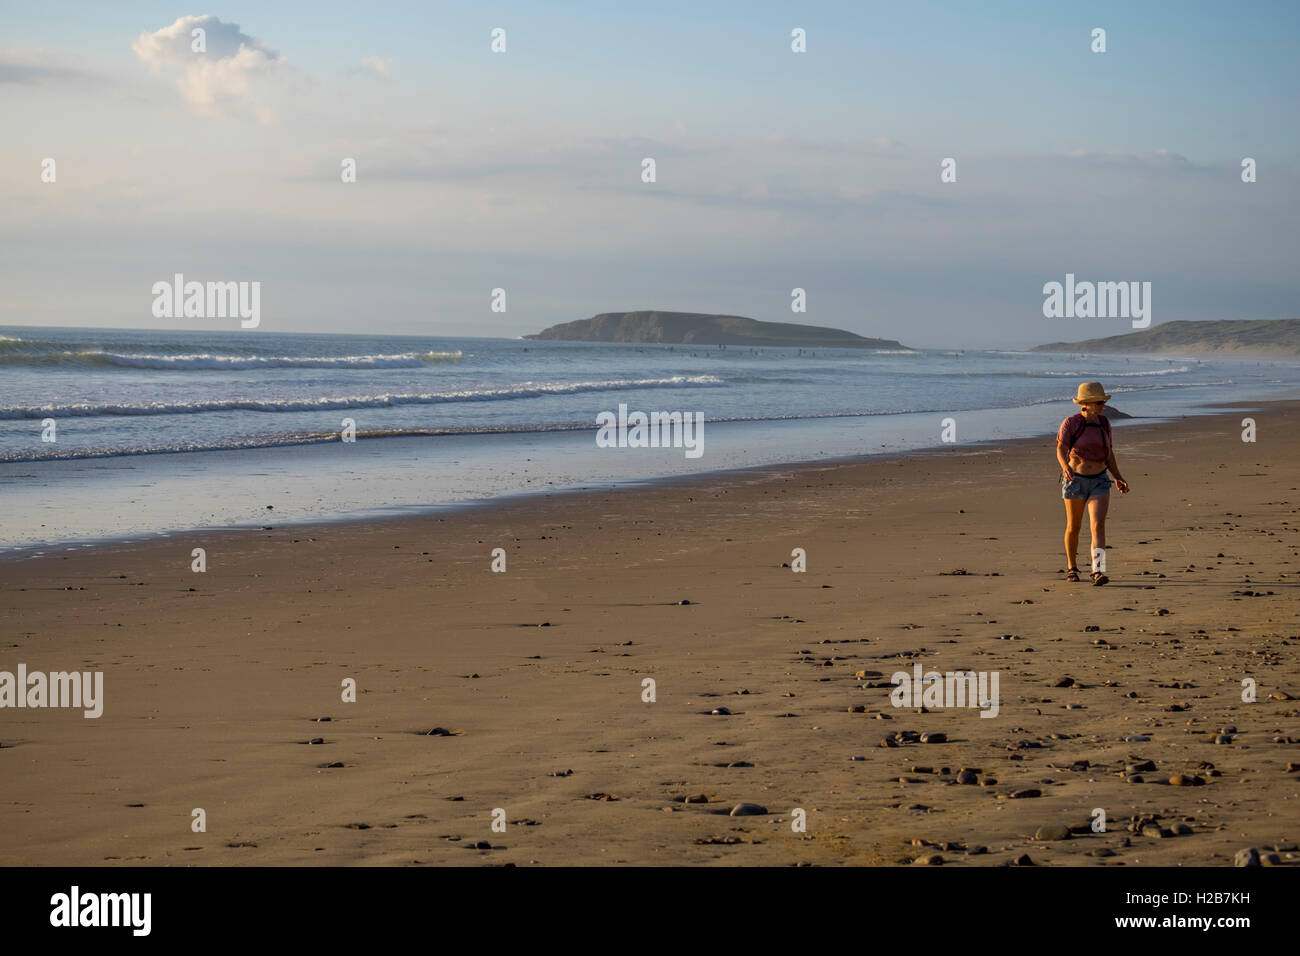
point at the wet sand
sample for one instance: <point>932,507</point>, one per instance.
<point>214,682</point>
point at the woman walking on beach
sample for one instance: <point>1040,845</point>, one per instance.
<point>1085,453</point>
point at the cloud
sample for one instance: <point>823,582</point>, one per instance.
<point>222,76</point>
<point>379,65</point>
<point>1160,159</point>
<point>40,68</point>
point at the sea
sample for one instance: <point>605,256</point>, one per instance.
<point>119,434</point>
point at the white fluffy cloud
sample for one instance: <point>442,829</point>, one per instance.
<point>379,65</point>
<point>222,76</point>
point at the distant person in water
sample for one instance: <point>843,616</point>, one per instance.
<point>1086,455</point>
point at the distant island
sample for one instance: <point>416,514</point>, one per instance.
<point>697,328</point>
<point>1271,338</point>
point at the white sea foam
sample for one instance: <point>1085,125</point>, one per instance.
<point>522,390</point>
<point>204,360</point>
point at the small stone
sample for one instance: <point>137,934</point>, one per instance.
<point>1024,860</point>
<point>1025,794</point>
<point>1137,739</point>
<point>723,711</point>
<point>1143,766</point>
<point>967,777</point>
<point>1270,859</point>
<point>748,810</point>
<point>977,851</point>
<point>1222,739</point>
<point>1135,778</point>
<point>929,859</point>
<point>1230,729</point>
<point>1052,832</point>
<point>1102,851</point>
<point>683,602</point>
<point>858,709</point>
<point>1246,857</point>
<point>1182,829</point>
<point>934,738</point>
<point>482,845</point>
<point>1064,682</point>
<point>888,742</point>
<point>988,782</point>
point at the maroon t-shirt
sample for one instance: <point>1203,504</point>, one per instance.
<point>1089,441</point>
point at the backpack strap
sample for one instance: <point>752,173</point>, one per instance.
<point>1076,432</point>
<point>1104,425</point>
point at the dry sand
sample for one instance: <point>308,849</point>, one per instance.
<point>212,680</point>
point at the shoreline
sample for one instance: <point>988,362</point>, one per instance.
<point>214,683</point>
<point>398,511</point>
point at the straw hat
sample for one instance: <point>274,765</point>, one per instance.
<point>1091,392</point>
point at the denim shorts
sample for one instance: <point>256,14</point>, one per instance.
<point>1083,487</point>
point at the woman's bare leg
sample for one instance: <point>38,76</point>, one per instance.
<point>1073,524</point>
<point>1097,508</point>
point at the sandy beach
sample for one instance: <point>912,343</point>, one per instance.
<point>216,683</point>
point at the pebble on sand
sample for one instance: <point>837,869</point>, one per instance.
<point>748,810</point>
<point>1246,857</point>
<point>1051,832</point>
<point>934,737</point>
<point>1024,794</point>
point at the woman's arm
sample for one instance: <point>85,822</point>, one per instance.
<point>1114,470</point>
<point>1062,458</point>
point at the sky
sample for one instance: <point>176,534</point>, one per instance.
<point>774,170</point>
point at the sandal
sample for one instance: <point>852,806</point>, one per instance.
<point>1072,575</point>
<point>1099,579</point>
